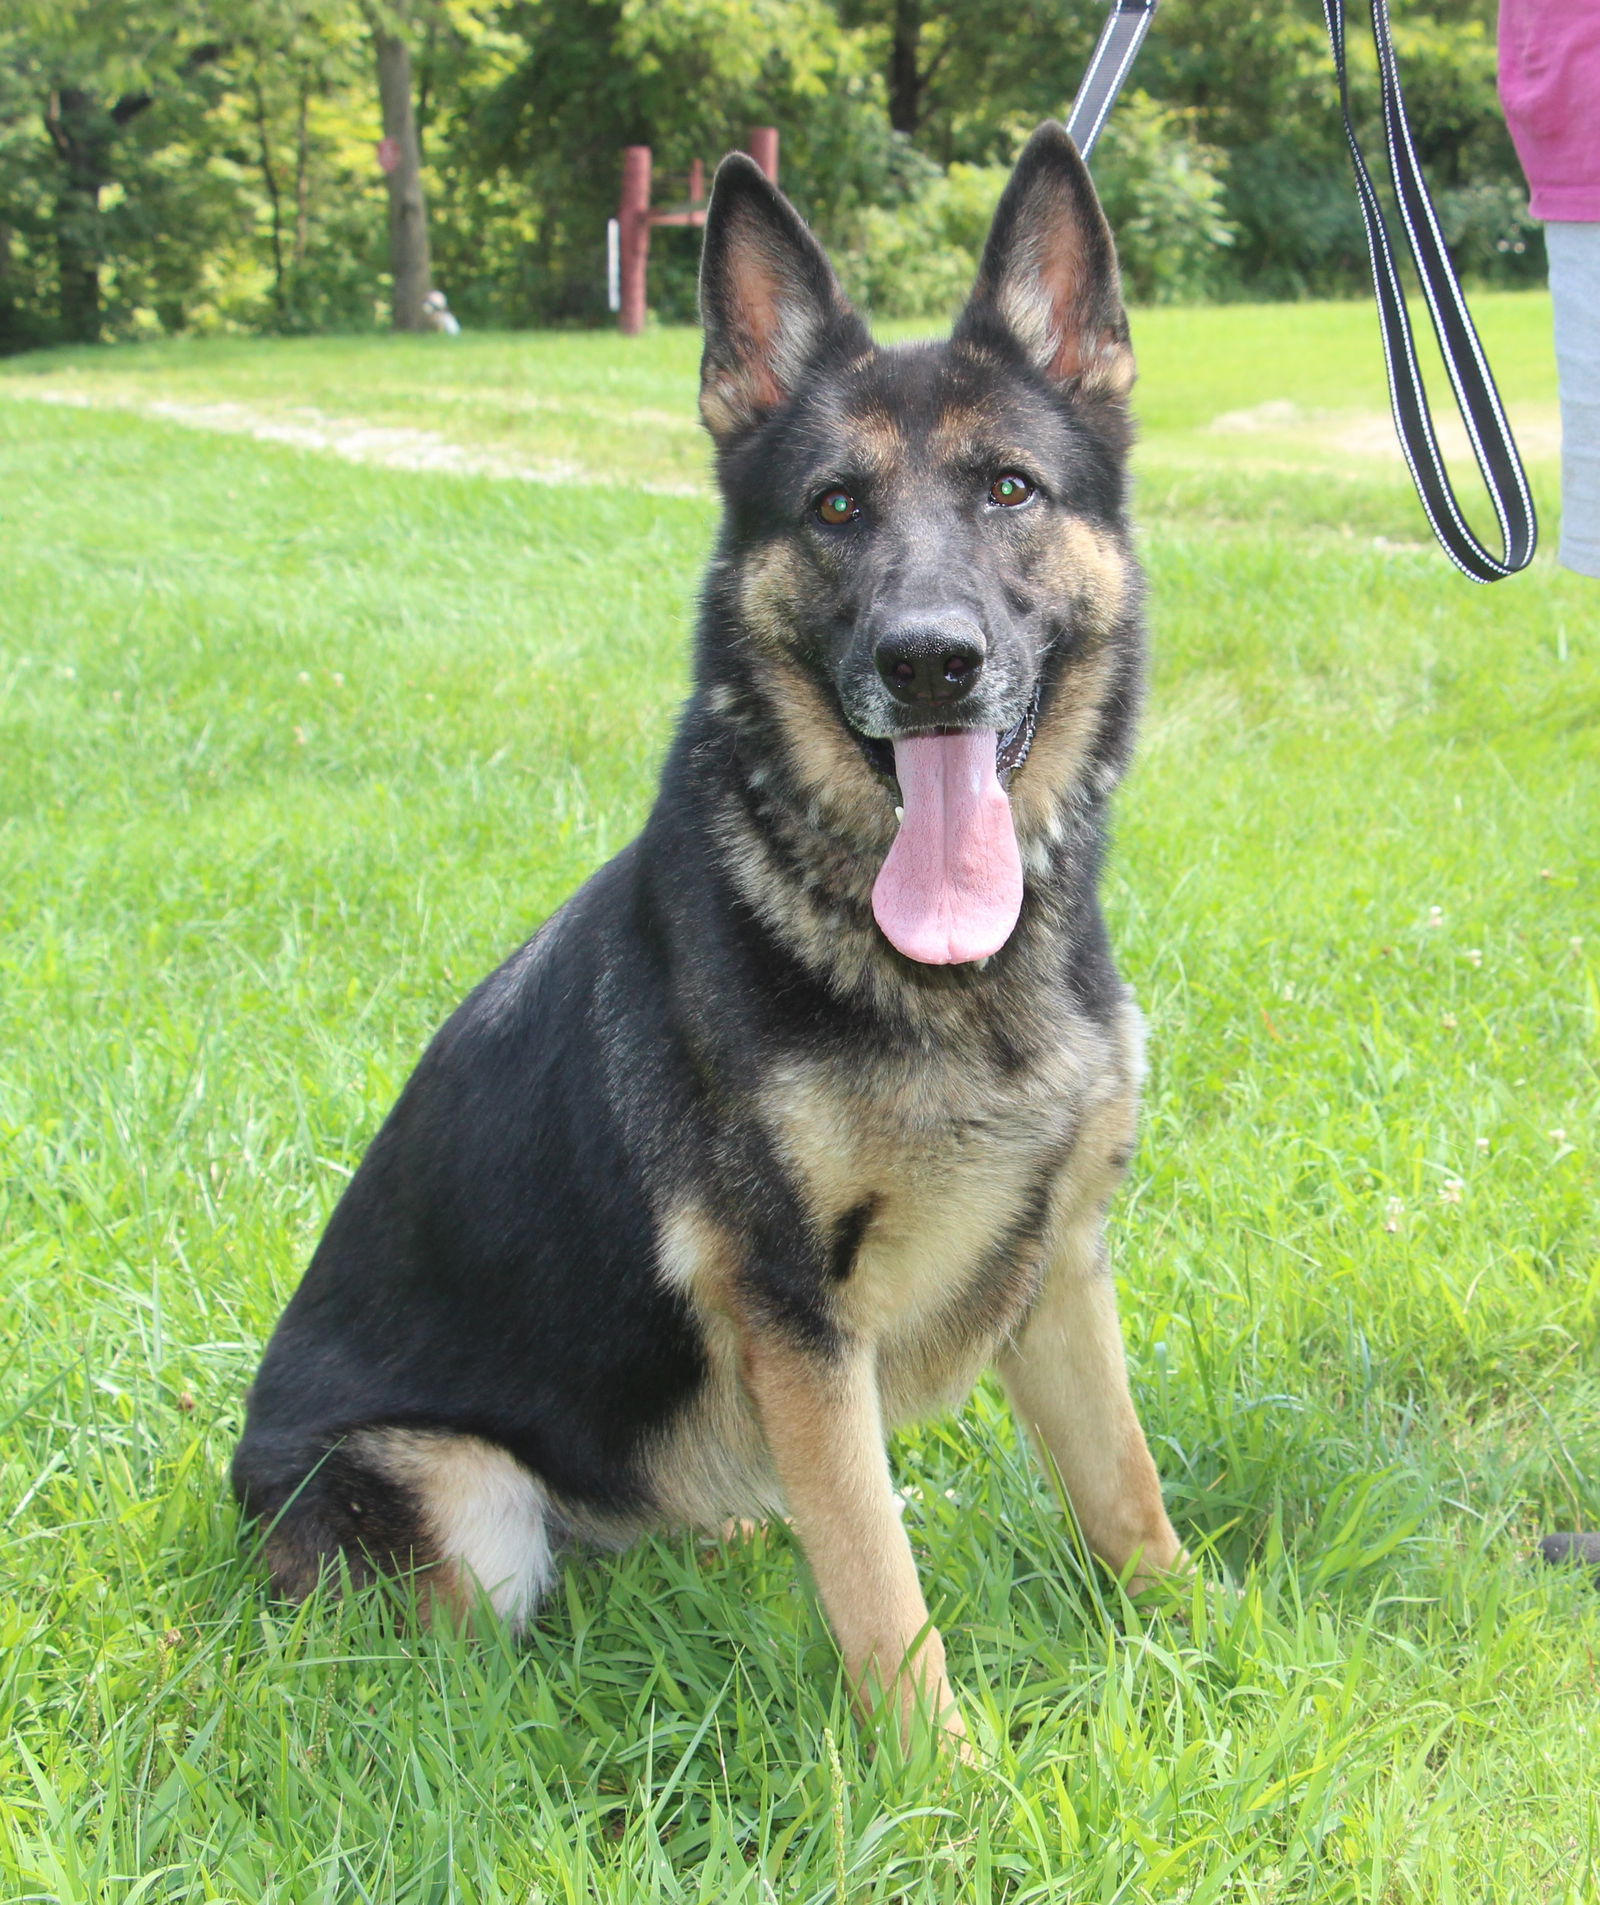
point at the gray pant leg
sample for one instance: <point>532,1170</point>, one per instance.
<point>1574,251</point>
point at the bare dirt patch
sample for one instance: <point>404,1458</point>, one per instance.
<point>1371,434</point>
<point>304,427</point>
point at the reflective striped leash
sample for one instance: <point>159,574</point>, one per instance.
<point>1465,363</point>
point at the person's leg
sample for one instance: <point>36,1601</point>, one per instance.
<point>1574,251</point>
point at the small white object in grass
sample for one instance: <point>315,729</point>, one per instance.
<point>1435,915</point>
<point>1474,955</point>
<point>1559,1134</point>
<point>1393,1212</point>
<point>1449,1021</point>
<point>305,679</point>
<point>1483,1146</point>
<point>338,679</point>
<point>1450,1192</point>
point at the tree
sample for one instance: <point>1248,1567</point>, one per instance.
<point>410,261</point>
<point>95,67</point>
<point>956,74</point>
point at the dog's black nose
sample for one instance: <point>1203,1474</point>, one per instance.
<point>936,658</point>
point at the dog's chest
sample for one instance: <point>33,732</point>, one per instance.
<point>931,1179</point>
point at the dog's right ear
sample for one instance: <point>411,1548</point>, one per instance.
<point>768,299</point>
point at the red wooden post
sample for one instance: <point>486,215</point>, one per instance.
<point>763,149</point>
<point>697,181</point>
<point>633,220</point>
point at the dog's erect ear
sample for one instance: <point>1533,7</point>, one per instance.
<point>768,299</point>
<point>1049,272</point>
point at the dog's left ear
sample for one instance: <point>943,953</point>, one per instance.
<point>768,300</point>
<point>1049,272</point>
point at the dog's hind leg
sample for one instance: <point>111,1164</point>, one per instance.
<point>459,1514</point>
<point>821,1417</point>
<point>1067,1377</point>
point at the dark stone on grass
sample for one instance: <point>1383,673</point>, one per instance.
<point>1572,1551</point>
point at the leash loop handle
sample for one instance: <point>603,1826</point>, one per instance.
<point>1470,378</point>
<point>1476,397</point>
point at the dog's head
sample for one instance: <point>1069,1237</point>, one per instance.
<point>931,535</point>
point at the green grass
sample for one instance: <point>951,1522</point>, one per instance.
<point>292,750</point>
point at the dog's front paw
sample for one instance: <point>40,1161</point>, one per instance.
<point>1159,1579</point>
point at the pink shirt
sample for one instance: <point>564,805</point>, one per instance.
<point>1550,88</point>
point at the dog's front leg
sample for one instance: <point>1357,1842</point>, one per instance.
<point>1067,1377</point>
<point>820,1413</point>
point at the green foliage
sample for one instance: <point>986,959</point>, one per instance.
<point>1164,193</point>
<point>1257,83</point>
<point>210,165</point>
<point>919,259</point>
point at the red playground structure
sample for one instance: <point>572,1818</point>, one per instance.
<point>629,239</point>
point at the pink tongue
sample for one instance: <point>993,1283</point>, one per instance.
<point>951,887</point>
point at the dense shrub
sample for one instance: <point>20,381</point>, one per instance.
<point>919,258</point>
<point>1164,193</point>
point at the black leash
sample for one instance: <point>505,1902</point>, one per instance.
<point>1476,397</point>
<point>1120,40</point>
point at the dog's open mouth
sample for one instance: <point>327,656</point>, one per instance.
<point>1011,747</point>
<point>950,890</point>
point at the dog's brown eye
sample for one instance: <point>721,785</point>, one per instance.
<point>1009,490</point>
<point>837,506</point>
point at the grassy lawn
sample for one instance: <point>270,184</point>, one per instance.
<point>297,740</point>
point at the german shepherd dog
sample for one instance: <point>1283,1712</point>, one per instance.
<point>807,1107</point>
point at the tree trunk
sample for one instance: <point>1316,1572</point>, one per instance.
<point>408,212</point>
<point>905,75</point>
<point>302,169</point>
<point>269,175</point>
<point>82,140</point>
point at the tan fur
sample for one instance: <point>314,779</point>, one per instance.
<point>1087,566</point>
<point>778,1423</point>
<point>945,1161</point>
<point>1082,565</point>
<point>824,756</point>
<point>769,581</point>
<point>1066,1371</point>
<point>712,1465</point>
<point>823,1425</point>
<point>1066,732</point>
<point>875,442</point>
<point>964,434</point>
<point>1068,1382</point>
<point>723,405</point>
